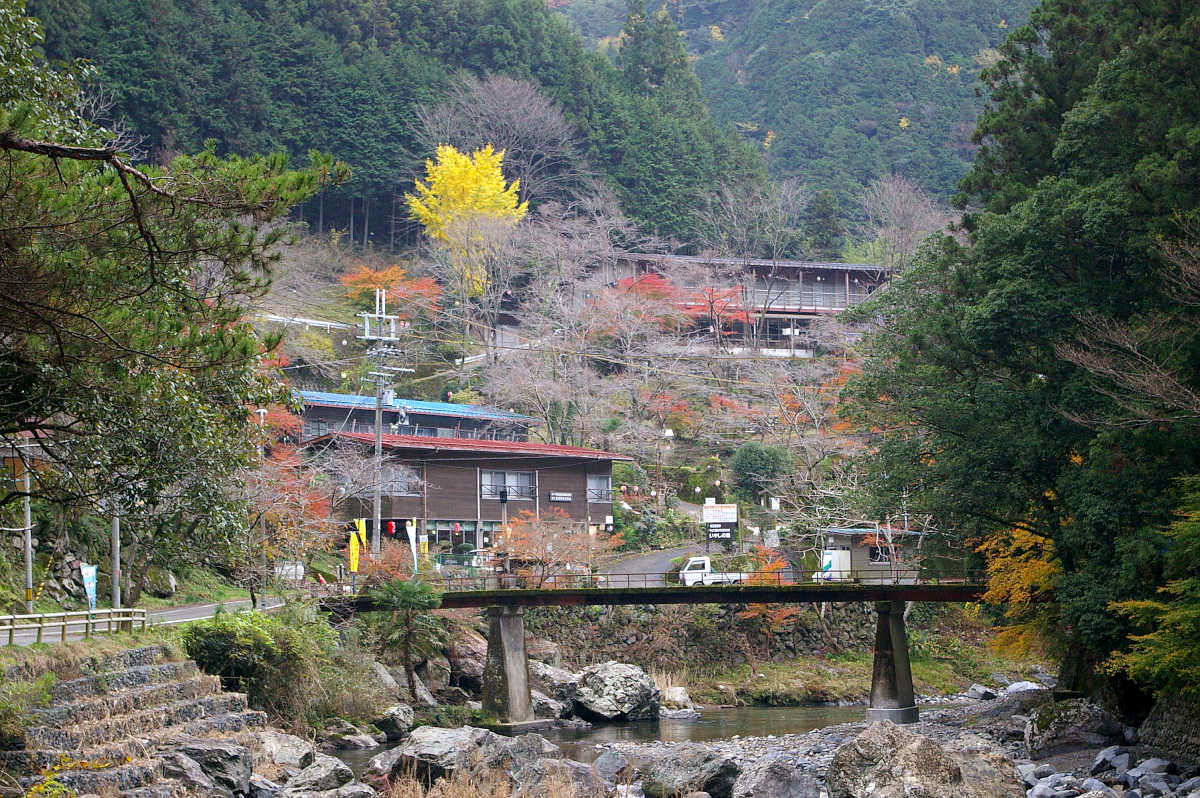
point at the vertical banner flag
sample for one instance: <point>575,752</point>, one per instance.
<point>411,528</point>
<point>358,541</point>
<point>88,572</point>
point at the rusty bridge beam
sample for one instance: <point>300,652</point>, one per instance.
<point>732,594</point>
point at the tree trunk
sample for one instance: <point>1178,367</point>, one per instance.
<point>410,673</point>
<point>366,221</point>
<point>351,228</point>
<point>321,214</point>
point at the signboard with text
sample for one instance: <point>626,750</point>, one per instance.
<point>720,521</point>
<point>560,496</point>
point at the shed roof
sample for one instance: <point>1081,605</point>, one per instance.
<point>421,406</point>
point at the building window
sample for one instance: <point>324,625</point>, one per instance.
<point>315,427</point>
<point>451,533</point>
<point>880,555</point>
<point>400,480</point>
<point>519,485</point>
<point>599,488</point>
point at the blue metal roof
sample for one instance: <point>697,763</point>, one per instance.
<point>418,406</point>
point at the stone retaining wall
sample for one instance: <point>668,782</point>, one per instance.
<point>1173,729</point>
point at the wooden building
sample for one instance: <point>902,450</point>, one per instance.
<point>451,464</point>
<point>776,300</point>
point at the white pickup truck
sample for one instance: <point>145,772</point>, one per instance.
<point>698,571</point>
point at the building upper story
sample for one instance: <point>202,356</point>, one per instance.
<point>326,413</point>
<point>774,287</point>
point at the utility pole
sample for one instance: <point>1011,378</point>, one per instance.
<point>384,334</point>
<point>28,544</point>
<point>116,558</point>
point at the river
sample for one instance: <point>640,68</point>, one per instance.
<point>714,724</point>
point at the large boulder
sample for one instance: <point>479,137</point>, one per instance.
<point>467,659</point>
<point>431,752</point>
<point>344,736</point>
<point>324,774</point>
<point>887,761</point>
<point>511,754</point>
<point>435,672</point>
<point>395,721</point>
<point>546,707</point>
<point>544,777</point>
<point>543,650</point>
<point>384,678</point>
<point>185,770</point>
<point>616,691</point>
<point>690,767</point>
<point>287,750</point>
<point>677,697</point>
<point>613,766</point>
<point>224,761</point>
<point>774,776</point>
<point>559,684</point>
<point>1070,726</point>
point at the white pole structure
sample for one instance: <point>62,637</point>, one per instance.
<point>116,561</point>
<point>378,499</point>
<point>28,544</point>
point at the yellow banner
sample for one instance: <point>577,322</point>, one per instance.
<point>357,542</point>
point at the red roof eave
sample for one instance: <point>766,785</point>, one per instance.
<point>475,445</point>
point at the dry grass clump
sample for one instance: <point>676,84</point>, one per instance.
<point>484,784</point>
<point>664,679</point>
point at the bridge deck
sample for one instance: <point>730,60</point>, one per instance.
<point>730,594</point>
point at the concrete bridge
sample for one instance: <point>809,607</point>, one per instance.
<point>506,672</point>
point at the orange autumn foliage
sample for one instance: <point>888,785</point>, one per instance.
<point>768,619</point>
<point>1023,568</point>
<point>408,294</point>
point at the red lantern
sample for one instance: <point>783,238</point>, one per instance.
<point>391,528</point>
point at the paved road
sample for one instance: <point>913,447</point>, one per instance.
<point>171,615</point>
<point>655,564</point>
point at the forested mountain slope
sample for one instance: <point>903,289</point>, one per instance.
<point>841,91</point>
<point>345,76</point>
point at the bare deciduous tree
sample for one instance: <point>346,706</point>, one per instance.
<point>512,115</point>
<point>1142,364</point>
<point>899,216</point>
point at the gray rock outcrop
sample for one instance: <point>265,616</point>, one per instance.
<point>346,736</point>
<point>774,776</point>
<point>287,750</point>
<point>690,767</point>
<point>559,684</point>
<point>546,707</point>
<point>324,774</point>
<point>185,770</point>
<point>887,761</point>
<point>677,697</point>
<point>1069,726</point>
<point>224,761</point>
<point>538,778</point>
<point>395,721</point>
<point>467,659</point>
<point>616,691</point>
<point>432,752</point>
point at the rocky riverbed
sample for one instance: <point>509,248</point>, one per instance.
<point>982,744</point>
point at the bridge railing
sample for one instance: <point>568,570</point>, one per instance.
<point>47,626</point>
<point>533,581</point>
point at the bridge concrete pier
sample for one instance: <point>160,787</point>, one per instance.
<point>891,679</point>
<point>506,670</point>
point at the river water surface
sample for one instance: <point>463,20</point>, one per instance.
<point>714,724</point>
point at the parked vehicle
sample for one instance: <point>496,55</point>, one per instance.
<point>699,571</point>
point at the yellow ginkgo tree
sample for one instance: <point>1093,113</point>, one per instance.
<point>461,202</point>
